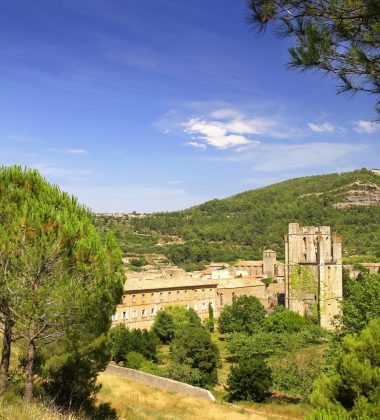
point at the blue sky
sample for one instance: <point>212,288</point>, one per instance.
<point>162,104</point>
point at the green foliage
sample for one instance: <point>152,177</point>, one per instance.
<point>61,282</point>
<point>245,314</point>
<point>362,302</point>
<point>240,227</point>
<point>163,326</point>
<point>185,373</point>
<point>284,321</point>
<point>339,38</point>
<point>267,281</point>
<point>296,358</point>
<point>294,372</point>
<point>249,381</point>
<point>138,262</point>
<point>192,346</point>
<point>122,341</point>
<point>134,360</point>
<point>210,321</point>
<point>354,385</point>
<point>70,373</point>
<point>172,319</point>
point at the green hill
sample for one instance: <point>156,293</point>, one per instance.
<point>243,225</point>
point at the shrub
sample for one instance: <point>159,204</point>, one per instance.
<point>284,321</point>
<point>184,373</point>
<point>134,360</point>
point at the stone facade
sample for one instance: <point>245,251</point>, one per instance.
<point>146,293</point>
<point>313,272</point>
<point>310,280</point>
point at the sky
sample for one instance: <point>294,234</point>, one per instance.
<point>159,105</point>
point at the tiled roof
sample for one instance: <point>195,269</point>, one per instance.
<point>166,283</point>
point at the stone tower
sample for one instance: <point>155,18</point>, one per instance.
<point>313,272</point>
<point>269,263</point>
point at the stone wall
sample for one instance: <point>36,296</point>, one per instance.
<point>162,383</point>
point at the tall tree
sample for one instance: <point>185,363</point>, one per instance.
<point>56,275</point>
<point>245,314</point>
<point>338,37</point>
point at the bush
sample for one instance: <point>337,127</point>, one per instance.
<point>249,381</point>
<point>134,360</point>
<point>284,321</point>
<point>185,373</point>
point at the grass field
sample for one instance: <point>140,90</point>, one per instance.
<point>18,410</point>
<point>133,400</point>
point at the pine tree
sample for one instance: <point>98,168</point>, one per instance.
<point>338,37</point>
<point>56,275</point>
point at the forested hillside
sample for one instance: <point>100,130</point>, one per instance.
<point>243,225</point>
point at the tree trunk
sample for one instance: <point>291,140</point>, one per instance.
<point>5,355</point>
<point>28,388</point>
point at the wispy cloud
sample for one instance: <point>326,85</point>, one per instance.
<point>196,144</point>
<point>54,171</point>
<point>77,151</point>
<point>129,197</point>
<point>286,157</point>
<point>367,127</point>
<point>326,127</point>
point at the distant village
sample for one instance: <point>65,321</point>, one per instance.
<point>313,259</point>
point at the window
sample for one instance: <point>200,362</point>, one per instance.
<point>177,295</point>
<point>125,315</point>
<point>133,298</point>
<point>210,292</point>
<point>185,294</point>
<point>123,299</point>
<point>134,314</point>
<point>143,313</point>
<point>161,296</point>
<point>143,298</point>
<point>114,317</point>
<point>153,312</point>
<point>169,296</point>
<point>152,297</point>
<point>203,292</point>
<point>203,306</point>
<point>196,307</point>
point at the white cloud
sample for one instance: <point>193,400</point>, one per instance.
<point>322,128</point>
<point>174,182</point>
<point>367,127</point>
<point>225,128</point>
<point>77,151</point>
<point>196,144</point>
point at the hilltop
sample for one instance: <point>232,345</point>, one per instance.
<point>243,225</point>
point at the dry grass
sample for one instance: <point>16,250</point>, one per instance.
<point>18,410</point>
<point>135,401</point>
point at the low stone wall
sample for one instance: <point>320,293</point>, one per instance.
<point>159,382</point>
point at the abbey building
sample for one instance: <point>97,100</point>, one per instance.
<point>310,281</point>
